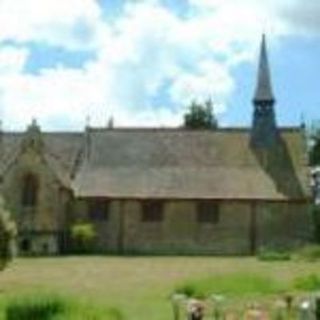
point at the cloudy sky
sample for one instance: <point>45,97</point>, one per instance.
<point>143,61</point>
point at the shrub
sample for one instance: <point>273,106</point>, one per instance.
<point>7,236</point>
<point>55,307</point>
<point>83,235</point>
<point>309,253</point>
<point>307,283</point>
<point>265,254</point>
<point>35,308</point>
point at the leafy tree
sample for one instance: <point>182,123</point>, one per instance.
<point>7,236</point>
<point>83,235</point>
<point>200,116</point>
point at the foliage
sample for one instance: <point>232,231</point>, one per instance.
<point>307,283</point>
<point>55,307</point>
<point>309,253</point>
<point>237,284</point>
<point>83,235</point>
<point>36,308</point>
<point>7,236</point>
<point>200,116</point>
<point>266,254</point>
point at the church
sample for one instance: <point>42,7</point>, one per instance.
<point>162,190</point>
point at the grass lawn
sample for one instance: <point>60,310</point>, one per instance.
<point>140,286</point>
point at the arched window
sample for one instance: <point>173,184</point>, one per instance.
<point>29,190</point>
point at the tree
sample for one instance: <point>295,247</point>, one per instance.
<point>200,116</point>
<point>7,236</point>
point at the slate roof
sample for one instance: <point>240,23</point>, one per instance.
<point>172,163</point>
<point>60,151</point>
<point>191,164</point>
<point>263,90</point>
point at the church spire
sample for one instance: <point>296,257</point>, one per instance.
<point>264,130</point>
<point>263,93</point>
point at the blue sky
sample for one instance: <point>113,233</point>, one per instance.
<point>142,61</point>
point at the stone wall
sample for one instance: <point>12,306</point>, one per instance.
<point>47,217</point>
<point>237,232</point>
<point>283,225</point>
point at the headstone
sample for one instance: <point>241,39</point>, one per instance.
<point>255,313</point>
<point>177,299</point>
<point>195,309</point>
<point>306,310</point>
<point>218,312</point>
<point>279,311</point>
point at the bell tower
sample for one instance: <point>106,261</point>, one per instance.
<point>264,132</point>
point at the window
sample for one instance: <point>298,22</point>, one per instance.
<point>98,209</point>
<point>152,211</point>
<point>25,245</point>
<point>208,212</point>
<point>29,191</point>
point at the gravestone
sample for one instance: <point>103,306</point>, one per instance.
<point>279,310</point>
<point>218,312</point>
<point>306,310</point>
<point>195,309</point>
<point>177,300</point>
<point>255,312</point>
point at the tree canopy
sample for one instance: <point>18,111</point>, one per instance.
<point>7,236</point>
<point>200,116</point>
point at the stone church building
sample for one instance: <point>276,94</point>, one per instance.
<point>161,190</point>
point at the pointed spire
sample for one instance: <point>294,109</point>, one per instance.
<point>264,132</point>
<point>263,93</point>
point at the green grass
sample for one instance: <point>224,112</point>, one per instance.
<point>310,282</point>
<point>139,288</point>
<point>232,285</point>
<point>35,308</point>
<point>44,306</point>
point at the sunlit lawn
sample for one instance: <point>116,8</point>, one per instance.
<point>139,286</point>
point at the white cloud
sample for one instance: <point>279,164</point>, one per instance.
<point>138,54</point>
<point>211,80</point>
<point>57,22</point>
<point>12,60</point>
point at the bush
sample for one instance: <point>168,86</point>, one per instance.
<point>83,235</point>
<point>55,307</point>
<point>7,236</point>
<point>309,253</point>
<point>35,308</point>
<point>307,283</point>
<point>265,254</point>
